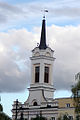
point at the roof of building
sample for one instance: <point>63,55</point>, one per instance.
<point>43,36</point>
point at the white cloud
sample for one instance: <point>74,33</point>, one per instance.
<point>15,47</point>
<point>29,13</point>
<point>67,54</point>
<point>13,75</point>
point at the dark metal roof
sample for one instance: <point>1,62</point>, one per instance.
<point>43,36</point>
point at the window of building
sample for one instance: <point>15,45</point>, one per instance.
<point>46,74</point>
<point>35,104</point>
<point>37,69</point>
<point>52,118</point>
<point>68,105</point>
<point>71,117</point>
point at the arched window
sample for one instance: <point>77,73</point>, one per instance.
<point>37,69</point>
<point>35,104</point>
<point>46,74</point>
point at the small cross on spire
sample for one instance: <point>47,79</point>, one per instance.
<point>44,11</point>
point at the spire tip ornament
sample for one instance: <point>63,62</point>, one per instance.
<point>44,12</point>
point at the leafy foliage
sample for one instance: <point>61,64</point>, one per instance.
<point>3,116</point>
<point>76,96</point>
<point>1,108</point>
<point>64,117</point>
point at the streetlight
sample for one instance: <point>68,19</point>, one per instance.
<point>21,116</point>
<point>19,109</point>
<point>16,109</point>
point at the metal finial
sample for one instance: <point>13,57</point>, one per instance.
<point>44,11</point>
<point>37,44</point>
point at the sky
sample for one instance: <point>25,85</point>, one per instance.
<point>20,29</point>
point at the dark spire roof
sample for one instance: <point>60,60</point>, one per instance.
<point>43,36</point>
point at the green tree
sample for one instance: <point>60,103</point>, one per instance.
<point>3,116</point>
<point>1,108</point>
<point>76,96</point>
<point>64,117</point>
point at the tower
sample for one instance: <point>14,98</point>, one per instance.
<point>40,101</point>
<point>41,88</point>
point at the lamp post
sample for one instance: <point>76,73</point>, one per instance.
<point>21,116</point>
<point>17,110</point>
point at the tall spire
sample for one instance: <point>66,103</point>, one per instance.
<point>43,36</point>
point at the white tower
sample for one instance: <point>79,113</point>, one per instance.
<point>41,88</point>
<point>40,100</point>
